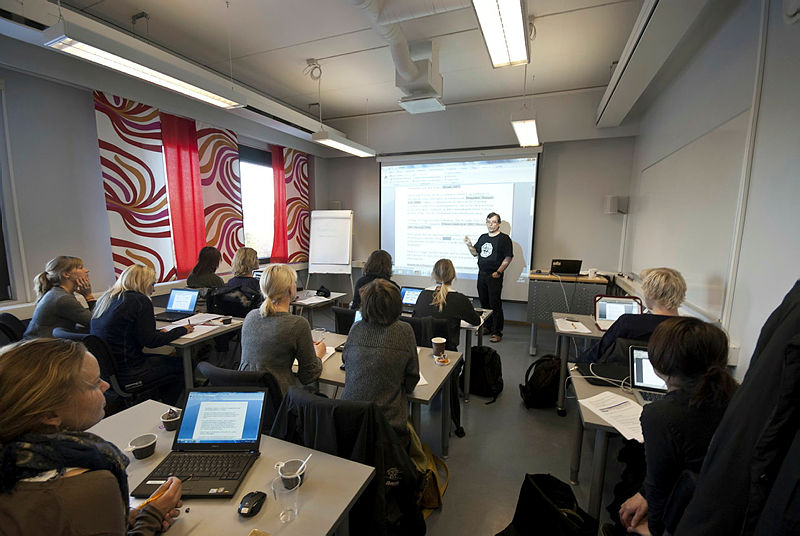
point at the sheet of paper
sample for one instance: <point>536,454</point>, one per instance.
<point>311,300</point>
<point>620,412</point>
<point>329,350</point>
<point>422,380</point>
<point>200,318</point>
<point>571,326</point>
<point>199,331</point>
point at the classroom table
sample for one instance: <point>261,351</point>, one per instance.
<point>469,329</point>
<point>332,486</point>
<point>562,349</point>
<point>438,378</point>
<point>589,420</point>
<point>310,303</point>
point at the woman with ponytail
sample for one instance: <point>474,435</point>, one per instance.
<point>56,305</point>
<point>444,302</point>
<point>691,356</point>
<point>272,338</point>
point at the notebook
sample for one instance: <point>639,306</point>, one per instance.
<point>215,445</point>
<point>647,386</point>
<point>608,308</point>
<point>565,266</point>
<point>409,296</point>
<point>180,305</point>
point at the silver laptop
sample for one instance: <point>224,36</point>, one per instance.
<point>215,445</point>
<point>181,304</point>
<point>608,308</point>
<point>647,386</point>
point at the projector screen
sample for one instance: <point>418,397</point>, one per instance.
<point>428,208</point>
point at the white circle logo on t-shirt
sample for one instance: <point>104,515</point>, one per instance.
<point>486,250</point>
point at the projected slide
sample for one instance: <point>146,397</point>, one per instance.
<point>428,209</point>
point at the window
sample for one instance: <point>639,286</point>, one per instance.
<point>258,199</point>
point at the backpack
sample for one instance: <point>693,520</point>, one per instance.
<point>233,301</point>
<point>540,389</point>
<point>486,373</point>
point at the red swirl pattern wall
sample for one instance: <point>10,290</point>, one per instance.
<point>298,213</point>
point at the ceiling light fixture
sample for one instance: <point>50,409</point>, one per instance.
<point>503,25</point>
<point>85,44</point>
<point>524,122</point>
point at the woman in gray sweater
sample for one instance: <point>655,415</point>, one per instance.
<point>381,356</point>
<point>272,338</point>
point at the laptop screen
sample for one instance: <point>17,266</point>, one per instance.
<point>409,295</point>
<point>642,374</point>
<point>565,266</point>
<point>257,273</point>
<point>182,300</point>
<point>213,417</point>
<point>613,308</point>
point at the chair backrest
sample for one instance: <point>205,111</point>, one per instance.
<point>236,301</point>
<point>427,327</point>
<point>12,325</point>
<point>343,319</point>
<point>5,339</point>
<point>620,352</point>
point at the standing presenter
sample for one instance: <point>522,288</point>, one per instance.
<point>494,251</point>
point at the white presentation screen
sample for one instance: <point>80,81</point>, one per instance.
<point>427,209</point>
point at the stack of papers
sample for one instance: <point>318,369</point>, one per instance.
<point>620,412</point>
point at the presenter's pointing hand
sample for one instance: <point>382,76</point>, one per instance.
<point>467,241</point>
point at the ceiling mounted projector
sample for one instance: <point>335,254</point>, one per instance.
<point>415,104</point>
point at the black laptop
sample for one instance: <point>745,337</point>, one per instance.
<point>565,266</point>
<point>409,297</point>
<point>215,445</point>
<point>181,304</point>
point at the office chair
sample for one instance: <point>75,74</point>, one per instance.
<point>4,338</point>
<point>427,327</point>
<point>343,319</point>
<point>12,326</point>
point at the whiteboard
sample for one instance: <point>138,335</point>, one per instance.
<point>331,245</point>
<point>683,214</point>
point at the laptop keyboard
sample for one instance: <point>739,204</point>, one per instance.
<point>228,466</point>
<point>651,396</point>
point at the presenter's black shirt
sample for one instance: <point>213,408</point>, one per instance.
<point>492,250</point>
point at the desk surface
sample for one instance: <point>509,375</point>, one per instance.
<point>181,342</point>
<point>332,487</point>
<point>586,320</point>
<point>584,390</point>
<point>568,278</point>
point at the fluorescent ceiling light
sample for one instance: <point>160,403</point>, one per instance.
<point>525,129</point>
<point>504,27</point>
<point>340,142</point>
<point>74,41</point>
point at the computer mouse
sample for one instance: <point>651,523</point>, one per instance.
<point>252,503</point>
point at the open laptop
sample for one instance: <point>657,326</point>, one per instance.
<point>647,386</point>
<point>409,296</point>
<point>180,305</point>
<point>565,266</point>
<point>216,443</point>
<point>608,308</point>
<point>257,273</point>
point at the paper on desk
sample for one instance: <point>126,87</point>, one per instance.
<point>199,318</point>
<point>328,352</point>
<point>422,380</point>
<point>569,325</point>
<point>199,331</point>
<point>311,300</point>
<point>620,412</point>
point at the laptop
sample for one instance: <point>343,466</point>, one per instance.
<point>608,308</point>
<point>565,266</point>
<point>257,273</point>
<point>409,296</point>
<point>603,373</point>
<point>180,305</point>
<point>647,386</point>
<point>215,445</point>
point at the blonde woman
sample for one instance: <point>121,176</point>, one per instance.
<point>56,305</point>
<point>272,338</point>
<point>58,478</point>
<point>444,302</point>
<point>124,318</point>
<point>245,260</point>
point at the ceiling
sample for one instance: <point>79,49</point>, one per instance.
<point>575,43</point>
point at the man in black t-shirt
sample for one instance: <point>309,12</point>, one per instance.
<point>494,251</point>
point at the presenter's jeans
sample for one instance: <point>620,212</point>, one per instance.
<point>489,291</point>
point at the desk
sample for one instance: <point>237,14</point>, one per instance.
<point>562,349</point>
<point>469,329</point>
<point>314,302</point>
<point>333,485</point>
<point>438,378</point>
<point>589,420</point>
<point>546,293</point>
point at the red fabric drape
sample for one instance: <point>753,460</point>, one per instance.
<point>179,136</point>
<point>280,240</point>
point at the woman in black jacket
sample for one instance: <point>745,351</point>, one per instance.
<point>377,266</point>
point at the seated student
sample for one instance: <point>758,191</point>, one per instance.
<point>58,478</point>
<point>124,318</point>
<point>378,265</point>
<point>56,305</point>
<point>691,356</point>
<point>446,303</point>
<point>381,356</point>
<point>245,260</point>
<point>664,290</point>
<point>202,275</point>
<point>272,337</point>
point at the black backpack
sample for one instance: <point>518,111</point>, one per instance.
<point>233,301</point>
<point>540,389</point>
<point>486,373</point>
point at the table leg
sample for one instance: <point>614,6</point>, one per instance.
<point>416,417</point>
<point>311,317</point>
<point>532,347</point>
<point>344,526</point>
<point>188,371</point>
<point>467,363</point>
<point>446,418</point>
<point>577,447</point>
<point>563,346</point>
<point>480,335</point>
<point>598,472</point>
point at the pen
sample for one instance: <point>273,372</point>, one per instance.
<point>159,494</point>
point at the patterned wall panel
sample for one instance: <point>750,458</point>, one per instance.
<point>298,213</point>
<point>218,150</point>
<point>134,181</point>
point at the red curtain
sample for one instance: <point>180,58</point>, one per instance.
<point>280,240</point>
<point>179,136</point>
